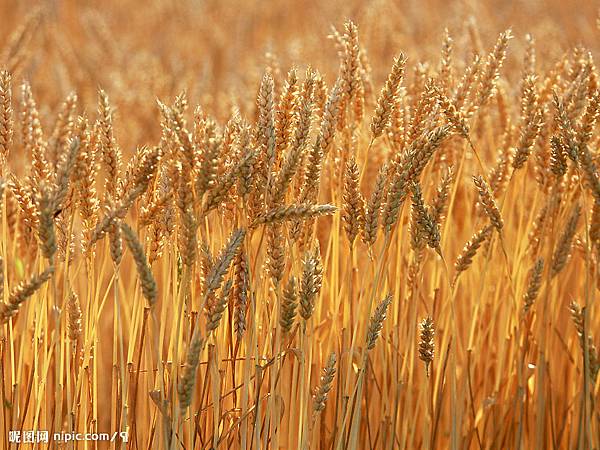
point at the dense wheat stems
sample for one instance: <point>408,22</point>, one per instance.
<point>229,225</point>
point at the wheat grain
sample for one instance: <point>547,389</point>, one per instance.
<point>21,293</point>
<point>325,385</point>
<point>6,120</point>
<point>426,343</point>
<point>577,314</point>
<point>353,209</point>
<point>376,322</point>
<point>385,102</point>
<point>293,212</point>
<point>188,379</point>
<point>563,247</point>
<point>533,285</point>
<point>487,201</point>
<point>145,273</point>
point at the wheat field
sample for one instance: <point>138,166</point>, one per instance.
<point>299,225</point>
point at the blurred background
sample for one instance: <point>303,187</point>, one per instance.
<point>217,50</point>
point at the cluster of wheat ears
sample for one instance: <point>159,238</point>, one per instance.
<point>331,265</point>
